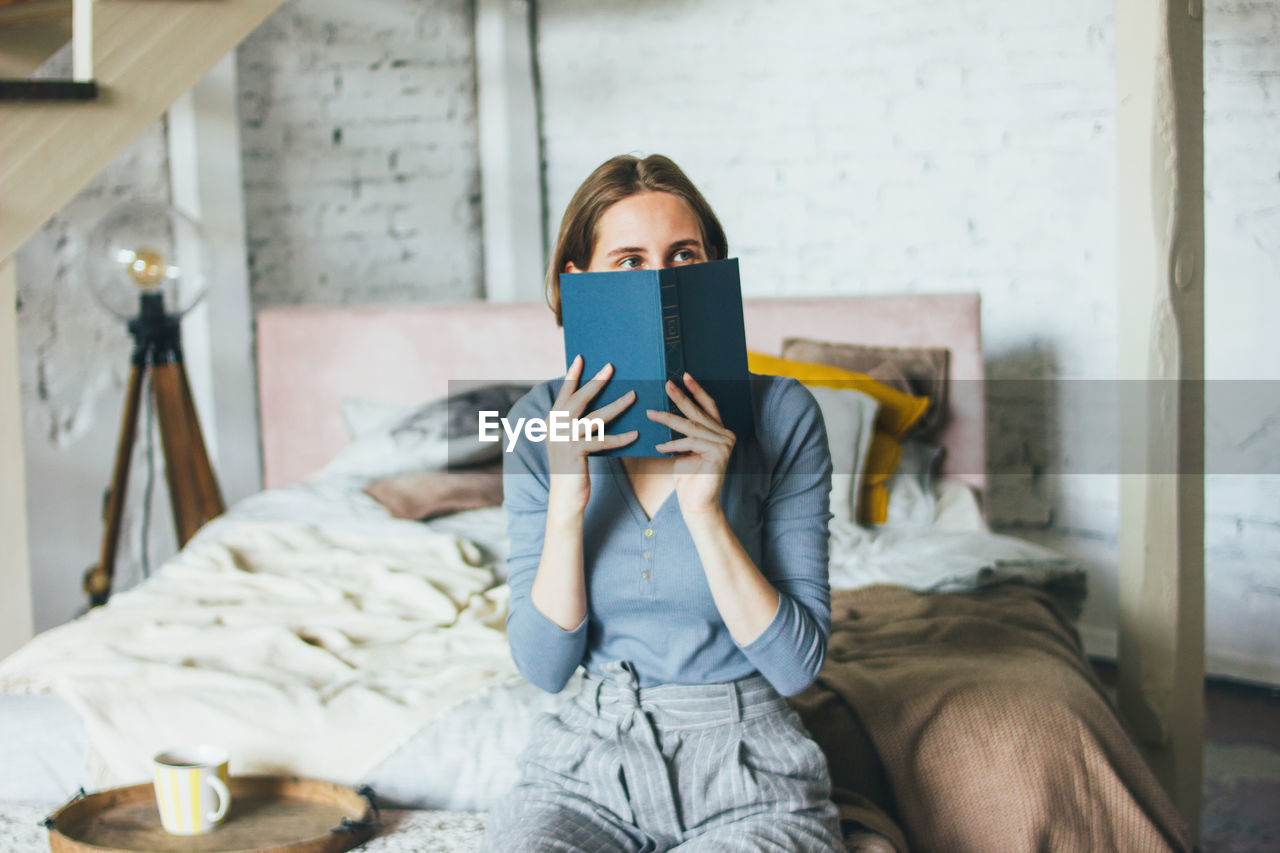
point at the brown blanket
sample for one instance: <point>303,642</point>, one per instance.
<point>973,721</point>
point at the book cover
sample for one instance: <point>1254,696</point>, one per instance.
<point>653,325</point>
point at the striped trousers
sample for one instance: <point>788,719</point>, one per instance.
<point>674,767</point>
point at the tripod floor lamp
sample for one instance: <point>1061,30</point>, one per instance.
<point>149,264</point>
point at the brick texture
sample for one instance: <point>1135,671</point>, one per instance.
<point>358,130</point>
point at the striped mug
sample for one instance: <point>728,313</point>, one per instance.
<point>191,788</point>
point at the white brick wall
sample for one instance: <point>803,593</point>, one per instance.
<point>925,146</point>
<point>359,140</point>
<point>929,146</point>
<point>75,363</point>
<point>1242,275</point>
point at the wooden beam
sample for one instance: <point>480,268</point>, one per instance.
<point>510,152</point>
<point>82,40</point>
<point>146,54</point>
<point>16,622</point>
<point>1160,131</point>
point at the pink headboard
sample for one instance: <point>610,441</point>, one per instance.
<point>311,357</point>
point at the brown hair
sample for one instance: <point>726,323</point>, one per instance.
<point>611,182</point>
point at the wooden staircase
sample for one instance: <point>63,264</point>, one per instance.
<point>146,54</point>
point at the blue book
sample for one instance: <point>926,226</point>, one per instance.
<point>653,325</point>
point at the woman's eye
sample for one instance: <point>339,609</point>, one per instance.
<point>629,263</point>
<point>683,256</point>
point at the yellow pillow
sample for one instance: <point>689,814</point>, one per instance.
<point>883,457</point>
<point>873,508</point>
<point>898,411</point>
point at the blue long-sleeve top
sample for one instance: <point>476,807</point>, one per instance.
<point>648,600</point>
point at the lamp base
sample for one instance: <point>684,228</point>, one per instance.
<point>193,488</point>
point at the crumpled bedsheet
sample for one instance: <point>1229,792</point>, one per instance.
<point>972,721</point>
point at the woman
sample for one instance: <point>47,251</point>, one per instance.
<point>693,615</point>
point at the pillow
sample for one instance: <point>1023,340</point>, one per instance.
<point>429,494</point>
<point>443,433</point>
<point>913,503</point>
<point>362,417</point>
<point>919,371</point>
<point>850,417</point>
<point>882,459</point>
<point>898,411</point>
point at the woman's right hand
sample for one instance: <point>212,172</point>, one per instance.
<point>570,482</point>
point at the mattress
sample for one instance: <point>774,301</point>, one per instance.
<point>466,757</point>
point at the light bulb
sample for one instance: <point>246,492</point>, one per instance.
<point>148,269</point>
<point>142,248</point>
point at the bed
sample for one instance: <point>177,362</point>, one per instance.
<point>313,633</point>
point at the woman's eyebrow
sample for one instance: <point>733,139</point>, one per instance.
<point>687,243</point>
<point>625,250</point>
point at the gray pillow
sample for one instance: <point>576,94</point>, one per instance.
<point>920,371</point>
<point>441,434</point>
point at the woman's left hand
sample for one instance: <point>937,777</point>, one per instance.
<point>699,470</point>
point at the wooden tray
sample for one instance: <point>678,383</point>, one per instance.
<point>268,814</point>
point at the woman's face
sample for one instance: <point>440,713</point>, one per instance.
<point>648,230</point>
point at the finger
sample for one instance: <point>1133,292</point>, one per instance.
<point>611,411</point>
<point>698,446</point>
<point>595,383</point>
<point>704,399</point>
<point>570,382</point>
<point>579,399</point>
<point>610,441</point>
<point>684,425</point>
<point>691,409</point>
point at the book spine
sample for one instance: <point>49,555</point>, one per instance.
<point>672,345</point>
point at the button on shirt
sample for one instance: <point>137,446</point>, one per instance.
<point>648,600</point>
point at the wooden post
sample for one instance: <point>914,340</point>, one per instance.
<point>16,620</point>
<point>82,40</point>
<point>510,152</point>
<point>1160,132</point>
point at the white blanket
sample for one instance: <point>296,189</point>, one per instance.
<point>305,652</point>
<point>312,634</point>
